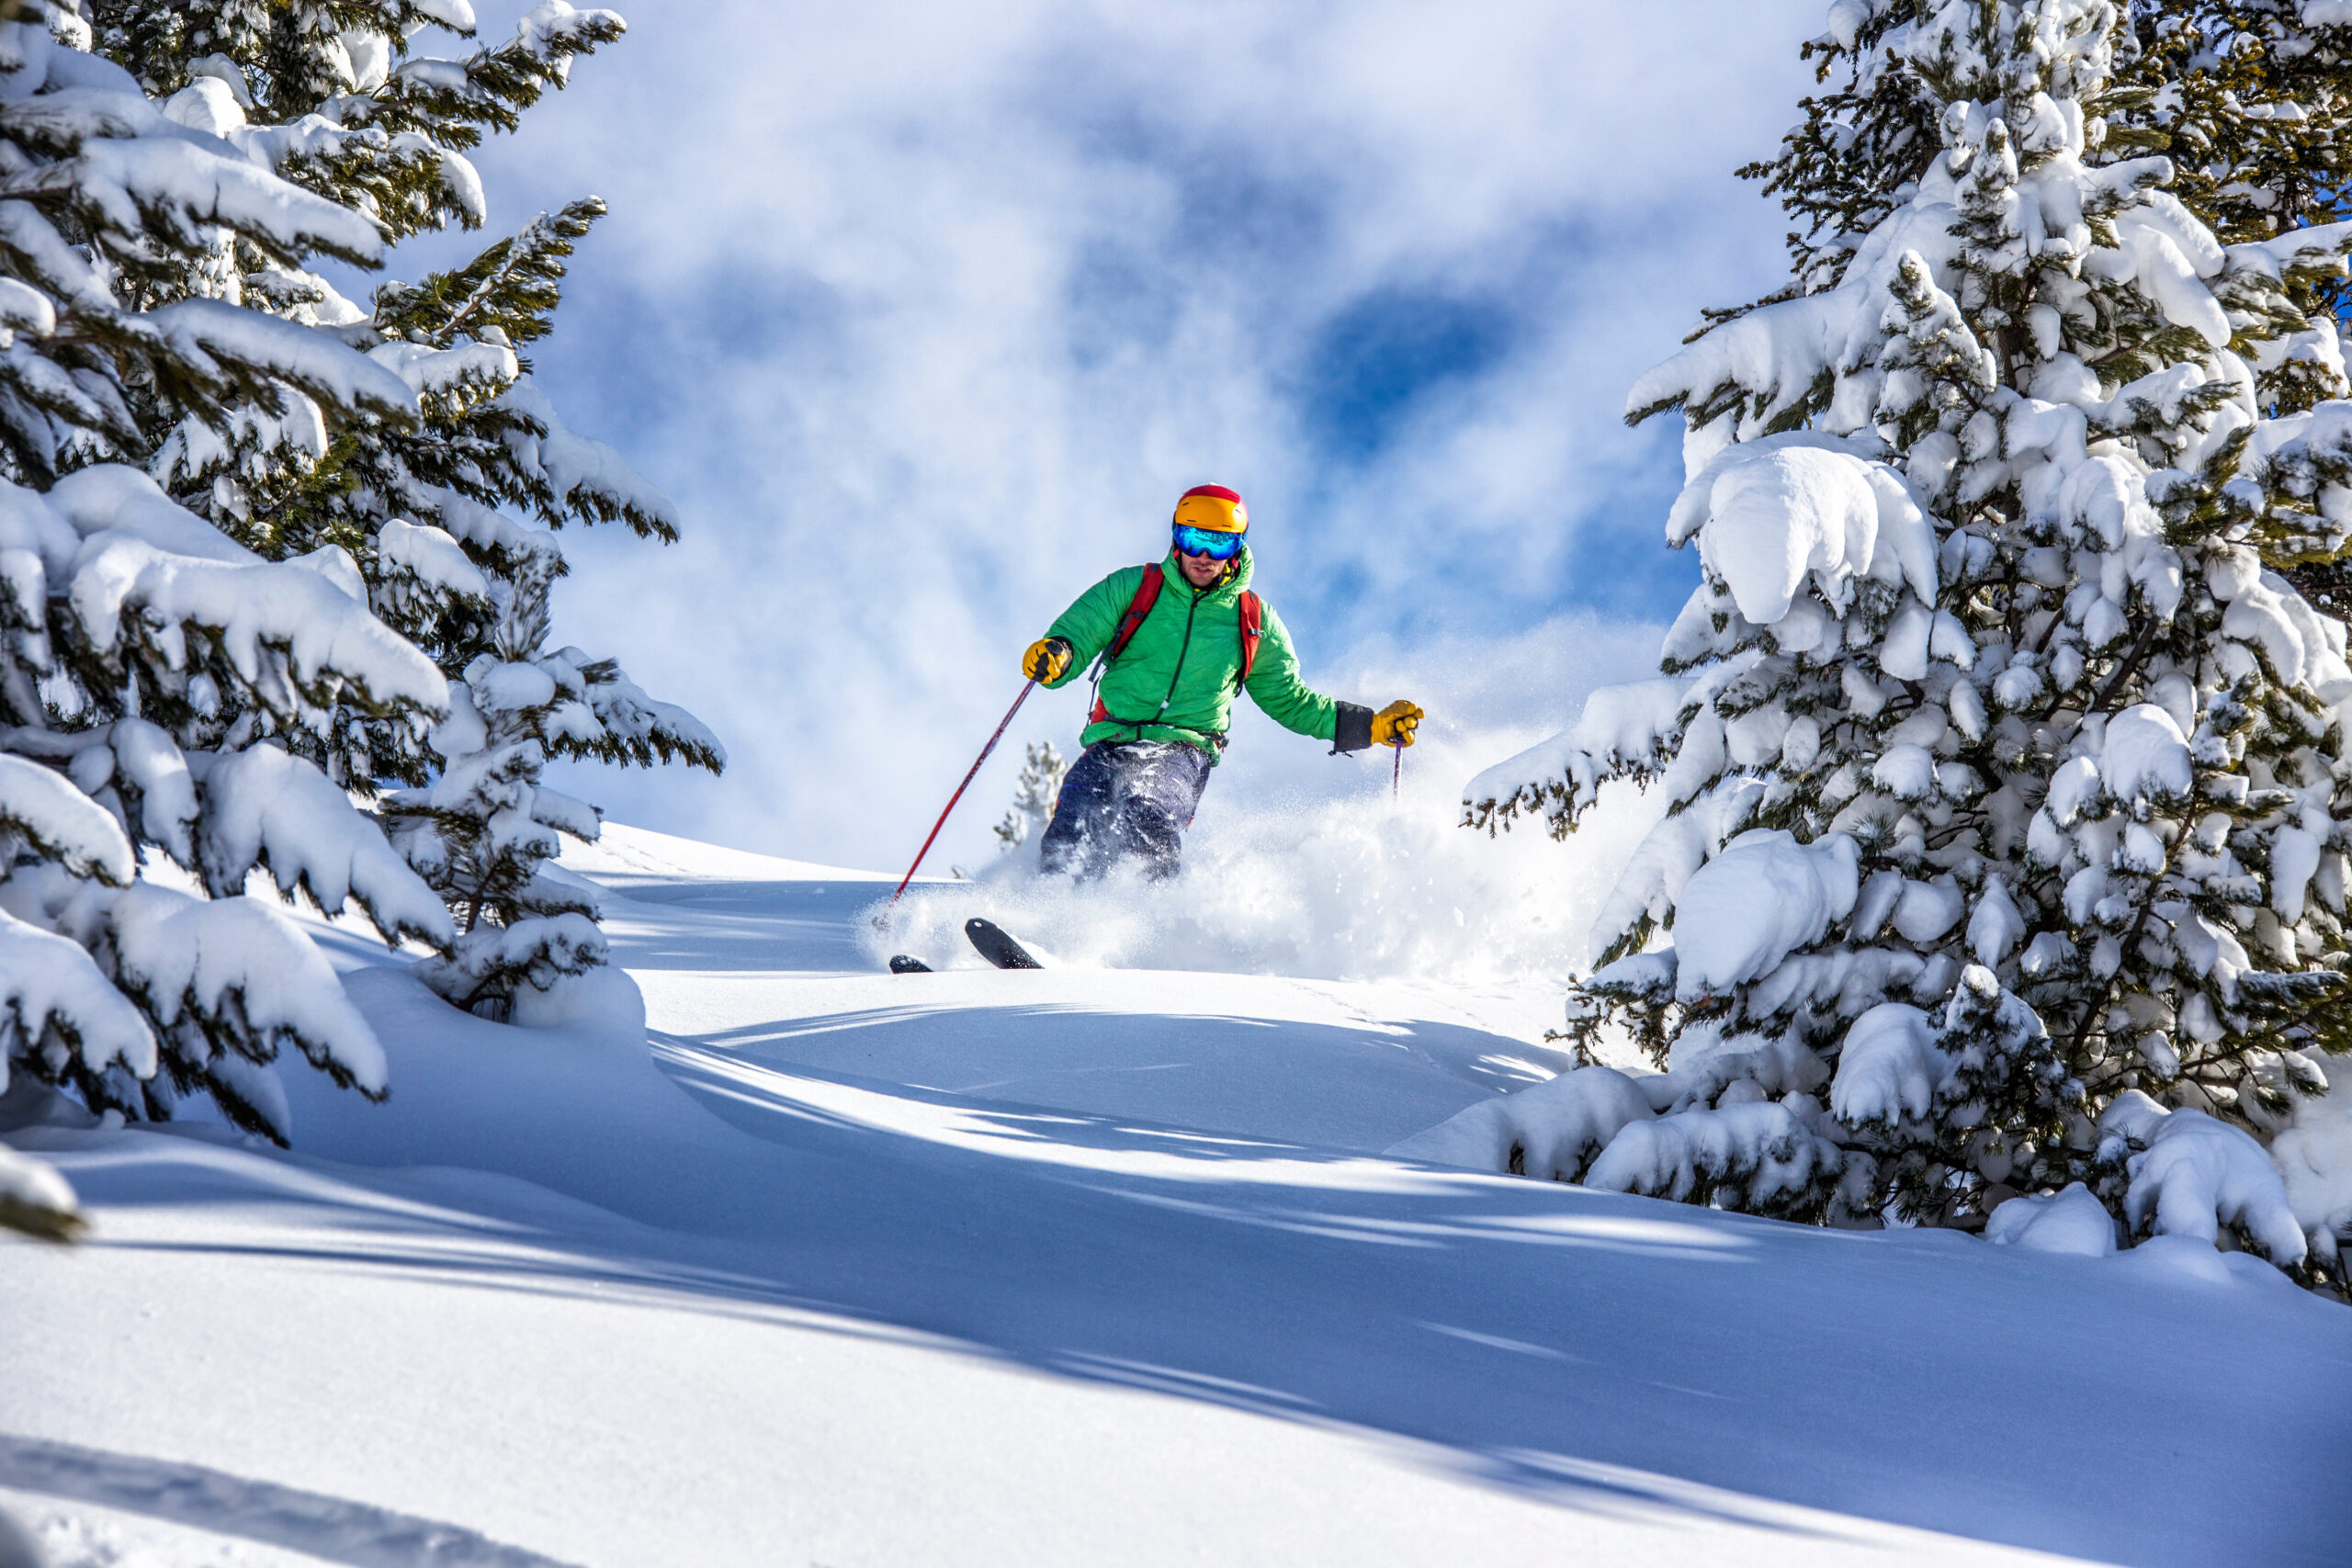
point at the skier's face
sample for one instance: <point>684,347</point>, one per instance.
<point>1201,570</point>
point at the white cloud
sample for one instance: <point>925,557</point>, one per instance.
<point>925,311</point>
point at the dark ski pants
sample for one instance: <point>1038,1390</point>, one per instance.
<point>1125,800</point>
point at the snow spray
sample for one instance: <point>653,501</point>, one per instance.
<point>935,827</point>
<point>1320,890</point>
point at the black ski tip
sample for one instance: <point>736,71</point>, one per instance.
<point>997,946</point>
<point>906,964</point>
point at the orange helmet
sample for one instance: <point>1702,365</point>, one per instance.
<point>1212,507</point>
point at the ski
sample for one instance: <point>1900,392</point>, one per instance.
<point>906,964</point>
<point>997,946</point>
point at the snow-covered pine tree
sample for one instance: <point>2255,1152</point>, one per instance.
<point>2252,100</point>
<point>483,831</point>
<point>130,627</point>
<point>334,98</point>
<point>1034,796</point>
<point>473,584</point>
<point>2247,99</point>
<point>436,508</point>
<point>330,97</point>
<point>2003,771</point>
<point>339,99</point>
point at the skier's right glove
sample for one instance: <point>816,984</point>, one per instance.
<point>1048,659</point>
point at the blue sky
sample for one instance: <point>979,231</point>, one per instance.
<point>925,313</point>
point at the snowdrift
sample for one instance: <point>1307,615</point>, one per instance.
<point>565,1270</point>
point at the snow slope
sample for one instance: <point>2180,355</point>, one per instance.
<point>1075,1266</point>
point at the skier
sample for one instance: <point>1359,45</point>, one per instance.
<point>1174,640</point>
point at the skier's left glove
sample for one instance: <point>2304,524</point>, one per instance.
<point>1394,725</point>
<point>1046,660</point>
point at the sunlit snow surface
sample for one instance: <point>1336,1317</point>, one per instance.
<point>1079,1266</point>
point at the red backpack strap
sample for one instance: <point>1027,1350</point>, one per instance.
<point>1147,595</point>
<point>1253,627</point>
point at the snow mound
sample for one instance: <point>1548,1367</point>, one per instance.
<point>1765,1148</point>
<point>603,998</point>
<point>35,1199</point>
<point>2314,1160</point>
<point>1550,1131</point>
<point>2192,1175</point>
<point>2068,1222</point>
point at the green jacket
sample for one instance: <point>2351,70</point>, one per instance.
<point>1177,678</point>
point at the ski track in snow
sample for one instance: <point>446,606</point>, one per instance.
<point>1074,1267</point>
<point>327,1528</point>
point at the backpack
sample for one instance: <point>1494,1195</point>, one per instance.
<point>1253,629</point>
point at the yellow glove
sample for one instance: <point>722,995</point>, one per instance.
<point>1393,726</point>
<point>1046,660</point>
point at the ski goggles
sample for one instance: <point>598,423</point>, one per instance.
<point>1206,542</point>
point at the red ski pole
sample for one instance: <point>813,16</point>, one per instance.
<point>960,788</point>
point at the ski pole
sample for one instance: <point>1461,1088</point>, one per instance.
<point>1397,772</point>
<point>960,788</point>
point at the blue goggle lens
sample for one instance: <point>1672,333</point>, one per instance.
<point>1207,542</point>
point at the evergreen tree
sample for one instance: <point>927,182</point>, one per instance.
<point>190,665</point>
<point>146,654</point>
<point>334,98</point>
<point>1861,149</point>
<point>2246,98</point>
<point>2003,766</point>
<point>427,514</point>
<point>484,831</point>
<point>2249,99</point>
<point>1032,797</point>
